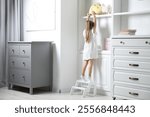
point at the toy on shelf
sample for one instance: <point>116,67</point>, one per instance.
<point>100,9</point>
<point>96,7</point>
<point>128,32</point>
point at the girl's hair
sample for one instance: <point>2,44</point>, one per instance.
<point>89,26</point>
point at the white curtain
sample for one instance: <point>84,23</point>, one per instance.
<point>10,30</point>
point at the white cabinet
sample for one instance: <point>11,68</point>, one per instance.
<point>131,68</point>
<point>131,53</point>
<point>104,74</point>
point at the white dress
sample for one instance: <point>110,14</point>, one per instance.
<point>90,50</point>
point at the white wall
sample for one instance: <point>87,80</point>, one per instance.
<point>64,36</point>
<point>69,43</point>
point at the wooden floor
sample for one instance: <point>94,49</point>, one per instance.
<point>16,94</point>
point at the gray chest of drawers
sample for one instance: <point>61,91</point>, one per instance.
<point>131,68</point>
<point>30,64</point>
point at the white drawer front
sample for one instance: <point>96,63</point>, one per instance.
<point>132,52</point>
<point>131,42</point>
<point>13,50</point>
<point>132,64</point>
<point>132,78</point>
<point>132,93</point>
<point>25,50</point>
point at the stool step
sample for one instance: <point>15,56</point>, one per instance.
<point>87,88</point>
<point>80,88</point>
<point>83,82</point>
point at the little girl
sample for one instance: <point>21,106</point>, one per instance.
<point>90,52</point>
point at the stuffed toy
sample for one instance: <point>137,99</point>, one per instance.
<point>96,7</point>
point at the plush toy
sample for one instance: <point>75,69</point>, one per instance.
<point>96,7</point>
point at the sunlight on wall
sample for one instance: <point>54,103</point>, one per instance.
<point>39,15</point>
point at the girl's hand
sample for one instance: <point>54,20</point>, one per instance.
<point>93,13</point>
<point>88,16</point>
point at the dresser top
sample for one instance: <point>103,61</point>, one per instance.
<point>29,42</point>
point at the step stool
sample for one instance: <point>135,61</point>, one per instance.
<point>85,88</point>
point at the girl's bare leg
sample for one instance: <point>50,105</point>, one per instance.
<point>85,63</point>
<point>90,66</point>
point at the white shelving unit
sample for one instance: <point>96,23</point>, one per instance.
<point>130,53</point>
<point>102,16</point>
<point>131,14</point>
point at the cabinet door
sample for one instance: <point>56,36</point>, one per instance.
<point>105,72</point>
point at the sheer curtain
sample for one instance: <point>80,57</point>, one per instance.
<point>10,30</point>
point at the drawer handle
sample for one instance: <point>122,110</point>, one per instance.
<point>24,51</point>
<point>13,75</point>
<point>24,63</point>
<point>146,42</point>
<point>133,78</point>
<point>134,94</point>
<point>122,42</point>
<point>134,65</point>
<point>133,52</point>
<point>13,62</point>
<point>23,77</point>
<point>13,50</point>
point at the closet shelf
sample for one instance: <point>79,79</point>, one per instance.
<point>101,16</point>
<point>132,13</point>
<point>131,37</point>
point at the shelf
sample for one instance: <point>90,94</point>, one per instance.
<point>100,16</point>
<point>133,13</point>
<point>131,37</point>
<point>104,52</point>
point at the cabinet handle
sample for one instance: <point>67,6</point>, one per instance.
<point>134,94</point>
<point>24,51</point>
<point>13,75</point>
<point>24,63</point>
<point>13,62</point>
<point>134,65</point>
<point>133,78</point>
<point>13,50</point>
<point>122,42</point>
<point>133,52</point>
<point>146,42</point>
<point>23,78</point>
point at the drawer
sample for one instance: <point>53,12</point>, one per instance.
<point>131,52</point>
<point>24,77</point>
<point>24,63</point>
<point>131,42</point>
<point>20,77</point>
<point>25,50</point>
<point>16,62</point>
<point>131,64</point>
<point>132,93</point>
<point>12,76</point>
<point>13,62</point>
<point>13,50</point>
<point>135,78</point>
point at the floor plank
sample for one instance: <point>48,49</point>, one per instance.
<point>6,94</point>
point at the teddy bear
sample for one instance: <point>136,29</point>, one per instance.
<point>96,7</point>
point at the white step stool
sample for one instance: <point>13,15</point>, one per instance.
<point>85,88</point>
